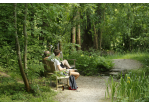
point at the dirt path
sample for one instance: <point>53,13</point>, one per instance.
<point>92,89</point>
<point>4,74</point>
<point>8,76</point>
<point>127,64</point>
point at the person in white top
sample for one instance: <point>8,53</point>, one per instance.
<point>60,66</point>
<point>51,57</point>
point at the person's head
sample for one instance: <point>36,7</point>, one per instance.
<point>56,52</point>
<point>46,53</point>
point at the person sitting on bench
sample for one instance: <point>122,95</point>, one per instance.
<point>60,66</point>
<point>63,64</point>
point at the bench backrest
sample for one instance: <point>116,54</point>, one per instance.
<point>48,65</point>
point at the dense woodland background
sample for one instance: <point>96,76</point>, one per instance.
<point>102,26</point>
<point>27,30</point>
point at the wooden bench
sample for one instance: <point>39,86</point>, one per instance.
<point>50,70</point>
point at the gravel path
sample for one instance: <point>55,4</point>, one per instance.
<point>92,88</point>
<point>127,64</point>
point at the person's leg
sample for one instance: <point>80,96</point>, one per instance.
<point>71,70</point>
<point>65,62</point>
<point>75,74</point>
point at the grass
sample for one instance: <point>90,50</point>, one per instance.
<point>13,91</point>
<point>133,87</point>
<point>18,94</point>
<point>142,57</point>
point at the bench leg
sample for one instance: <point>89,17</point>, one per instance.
<point>68,81</point>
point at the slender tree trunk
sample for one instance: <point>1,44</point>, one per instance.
<point>95,38</point>
<point>73,34</point>
<point>87,36</point>
<point>78,31</point>
<point>100,41</point>
<point>25,36</point>
<point>102,29</point>
<point>18,52</point>
<point>78,37</point>
<point>73,30</point>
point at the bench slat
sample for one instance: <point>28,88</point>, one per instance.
<point>62,77</point>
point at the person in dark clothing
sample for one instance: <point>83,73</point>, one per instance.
<point>72,83</point>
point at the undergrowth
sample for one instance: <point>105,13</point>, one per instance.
<point>90,63</point>
<point>13,91</point>
<point>132,87</point>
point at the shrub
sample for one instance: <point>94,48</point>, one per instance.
<point>131,88</point>
<point>89,63</point>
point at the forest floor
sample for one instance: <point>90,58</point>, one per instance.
<point>90,88</point>
<point>93,88</point>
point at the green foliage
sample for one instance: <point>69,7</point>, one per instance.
<point>132,88</point>
<point>134,85</point>
<point>126,28</point>
<point>34,70</point>
<point>12,91</point>
<point>89,63</point>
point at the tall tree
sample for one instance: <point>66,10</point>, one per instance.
<point>73,30</point>
<point>73,34</point>
<point>87,23</point>
<point>25,36</point>
<point>102,28</point>
<point>95,37</point>
<point>18,50</point>
<point>78,36</point>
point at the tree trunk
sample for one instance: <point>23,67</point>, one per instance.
<point>100,41</point>
<point>18,52</point>
<point>87,36</point>
<point>78,41</point>
<point>102,29</point>
<point>78,37</point>
<point>25,36</point>
<point>73,34</point>
<point>95,38</point>
<point>73,30</point>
